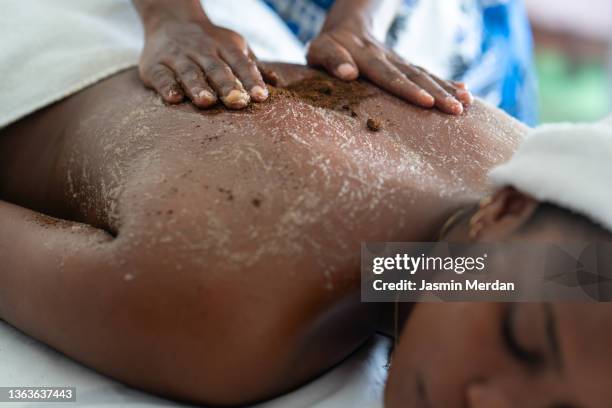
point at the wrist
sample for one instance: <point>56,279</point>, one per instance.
<point>155,13</point>
<point>357,24</point>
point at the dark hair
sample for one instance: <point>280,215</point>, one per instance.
<point>578,226</point>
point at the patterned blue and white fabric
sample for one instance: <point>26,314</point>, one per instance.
<point>486,43</point>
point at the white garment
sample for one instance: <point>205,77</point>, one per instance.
<point>568,165</point>
<point>430,36</point>
<point>53,49</point>
<point>357,382</point>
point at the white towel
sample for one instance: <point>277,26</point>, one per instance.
<point>569,165</point>
<point>52,49</point>
<point>357,382</point>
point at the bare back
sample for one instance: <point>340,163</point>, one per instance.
<point>261,211</point>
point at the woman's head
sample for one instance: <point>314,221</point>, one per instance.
<point>502,355</point>
<point>499,355</point>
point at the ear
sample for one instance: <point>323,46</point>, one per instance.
<point>502,215</point>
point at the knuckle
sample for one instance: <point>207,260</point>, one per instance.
<point>202,53</point>
<point>244,64</point>
<point>216,69</point>
<point>158,76</point>
<point>250,72</point>
<point>379,65</point>
<point>250,65</point>
<point>189,75</point>
<point>377,54</point>
<point>412,75</point>
<point>321,44</point>
<point>235,38</point>
<point>372,46</point>
<point>184,70</point>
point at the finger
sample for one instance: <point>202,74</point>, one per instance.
<point>387,76</point>
<point>224,82</point>
<point>269,75</point>
<point>459,85</point>
<point>459,89</point>
<point>162,79</point>
<point>191,77</point>
<point>336,60</point>
<point>248,73</point>
<point>445,101</point>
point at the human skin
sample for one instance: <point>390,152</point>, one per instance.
<point>457,355</point>
<point>503,355</point>
<point>347,48</point>
<point>214,256</point>
<point>186,55</point>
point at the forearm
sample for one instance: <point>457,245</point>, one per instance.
<point>374,16</point>
<point>153,12</point>
<point>113,305</point>
<point>39,255</point>
<point>70,286</point>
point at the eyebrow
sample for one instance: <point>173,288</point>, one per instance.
<point>552,338</point>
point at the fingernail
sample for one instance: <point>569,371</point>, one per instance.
<point>466,95</point>
<point>346,71</point>
<point>206,96</point>
<point>259,93</point>
<point>236,99</point>
<point>172,94</point>
<point>455,105</point>
<point>426,97</point>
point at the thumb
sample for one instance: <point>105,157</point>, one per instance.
<point>337,61</point>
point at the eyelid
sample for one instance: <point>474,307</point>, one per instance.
<point>531,358</point>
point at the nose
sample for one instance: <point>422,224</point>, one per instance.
<point>486,396</point>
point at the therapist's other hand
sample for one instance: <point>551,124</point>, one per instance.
<point>202,61</point>
<point>347,52</point>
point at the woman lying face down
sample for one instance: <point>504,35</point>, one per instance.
<point>214,256</point>
<point>507,354</point>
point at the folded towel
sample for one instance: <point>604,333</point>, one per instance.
<point>568,165</point>
<point>53,49</point>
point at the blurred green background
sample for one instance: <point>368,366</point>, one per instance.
<point>571,89</point>
<point>573,55</point>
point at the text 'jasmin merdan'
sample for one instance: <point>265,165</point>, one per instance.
<point>414,264</point>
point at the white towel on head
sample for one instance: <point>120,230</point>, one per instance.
<point>569,165</point>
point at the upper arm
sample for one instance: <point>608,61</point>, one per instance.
<point>116,306</point>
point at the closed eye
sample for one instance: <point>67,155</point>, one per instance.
<point>531,358</point>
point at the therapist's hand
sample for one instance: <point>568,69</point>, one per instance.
<point>186,55</point>
<point>348,51</point>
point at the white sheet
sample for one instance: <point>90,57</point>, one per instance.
<point>53,49</point>
<point>358,382</point>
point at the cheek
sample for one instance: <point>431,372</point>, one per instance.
<point>449,345</point>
